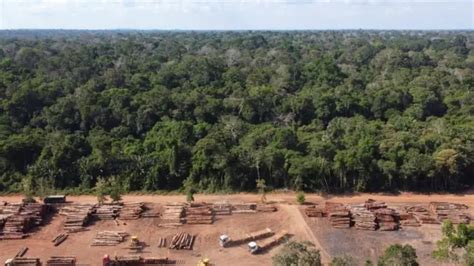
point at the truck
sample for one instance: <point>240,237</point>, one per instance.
<point>227,241</point>
<point>256,247</point>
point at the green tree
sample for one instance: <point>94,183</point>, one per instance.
<point>101,188</point>
<point>456,244</point>
<point>343,261</point>
<point>300,197</point>
<point>297,253</point>
<point>398,255</point>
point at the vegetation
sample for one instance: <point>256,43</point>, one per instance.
<point>300,197</point>
<point>343,261</point>
<point>328,111</point>
<point>101,190</point>
<point>398,255</point>
<point>457,244</point>
<point>298,253</point>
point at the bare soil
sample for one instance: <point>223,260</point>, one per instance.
<point>331,242</point>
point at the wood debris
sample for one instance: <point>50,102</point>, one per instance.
<point>61,261</point>
<point>182,240</point>
<point>109,238</point>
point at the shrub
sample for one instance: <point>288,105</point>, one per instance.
<point>300,198</point>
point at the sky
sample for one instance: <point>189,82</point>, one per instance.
<point>236,14</point>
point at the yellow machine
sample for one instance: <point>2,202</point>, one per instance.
<point>135,244</point>
<point>204,262</point>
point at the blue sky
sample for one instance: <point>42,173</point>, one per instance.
<point>237,14</point>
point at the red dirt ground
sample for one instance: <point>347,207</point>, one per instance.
<point>330,241</point>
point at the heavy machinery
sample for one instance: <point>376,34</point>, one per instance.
<point>135,244</point>
<point>256,247</point>
<point>227,241</point>
<point>204,262</point>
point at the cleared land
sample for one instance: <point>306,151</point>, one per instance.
<point>331,241</point>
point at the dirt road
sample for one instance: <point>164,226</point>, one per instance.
<point>298,220</point>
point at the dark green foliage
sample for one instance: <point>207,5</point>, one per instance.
<point>398,255</point>
<point>217,111</point>
<point>300,197</point>
<point>343,261</point>
<point>297,253</point>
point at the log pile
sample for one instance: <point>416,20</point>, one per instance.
<point>131,211</point>
<point>172,215</point>
<point>25,261</point>
<point>35,210</point>
<point>199,215</point>
<point>340,219</point>
<point>162,242</point>
<point>109,238</point>
<point>59,239</point>
<point>61,261</point>
<point>330,207</point>
<point>244,208</point>
<point>363,218</point>
<point>16,226</point>
<point>77,217</point>
<point>222,208</point>
<point>126,260</point>
<point>266,208</point>
<point>451,211</point>
<point>387,219</point>
<point>150,211</point>
<point>106,212</point>
<point>422,215</point>
<point>182,241</point>
<point>314,211</point>
<point>407,218</point>
<point>372,205</point>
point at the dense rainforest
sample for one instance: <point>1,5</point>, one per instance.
<point>330,111</point>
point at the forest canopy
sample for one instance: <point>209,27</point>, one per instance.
<point>329,111</point>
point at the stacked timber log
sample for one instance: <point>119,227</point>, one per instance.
<point>61,261</point>
<point>199,215</point>
<point>16,227</point>
<point>363,218</point>
<point>340,219</point>
<point>333,207</point>
<point>265,208</point>
<point>156,261</point>
<point>109,238</point>
<point>25,261</point>
<point>35,210</point>
<point>372,205</point>
<point>182,241</point>
<point>387,219</point>
<point>11,209</point>
<point>423,215</point>
<point>452,211</point>
<point>222,208</point>
<point>106,212</point>
<point>244,208</point>
<point>131,211</point>
<point>150,211</point>
<point>77,217</point>
<point>172,215</point>
<point>407,218</point>
<point>59,239</point>
<point>314,211</point>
